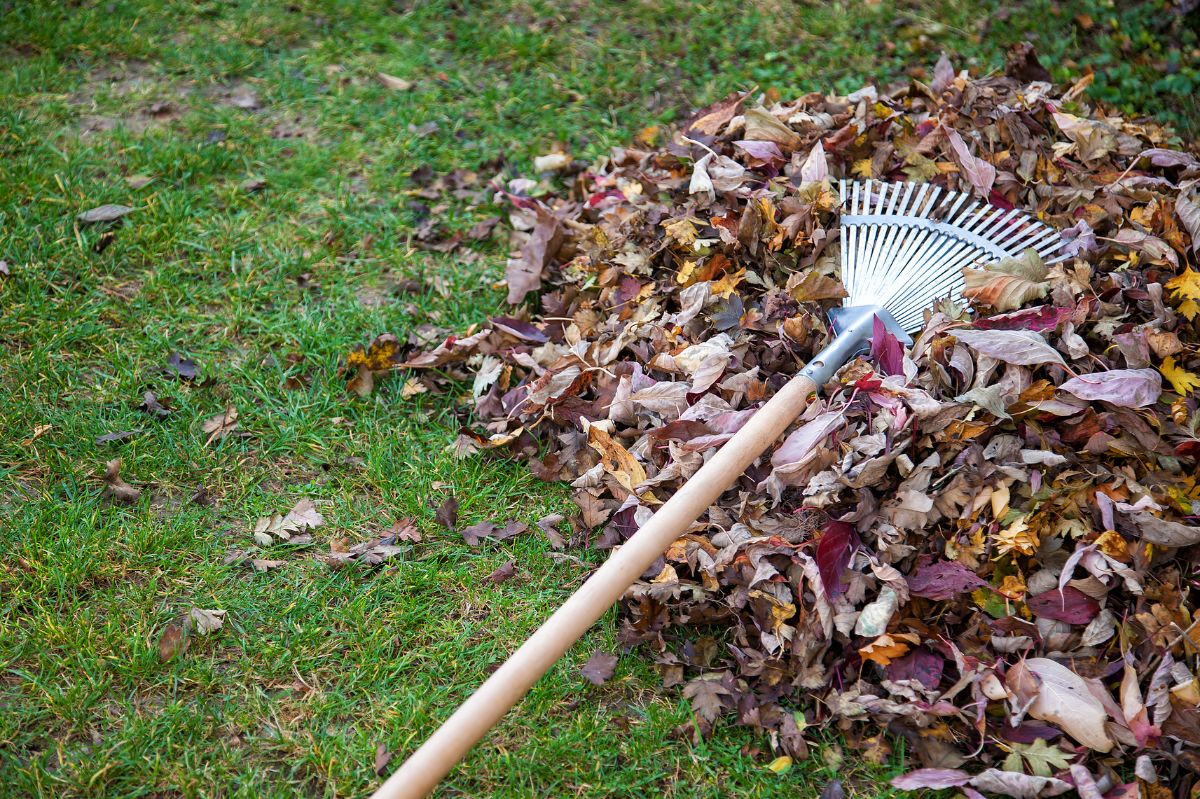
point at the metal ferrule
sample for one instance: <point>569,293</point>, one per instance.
<point>853,328</point>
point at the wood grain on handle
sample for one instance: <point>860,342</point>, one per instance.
<point>426,767</point>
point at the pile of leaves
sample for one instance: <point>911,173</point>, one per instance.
<point>985,545</point>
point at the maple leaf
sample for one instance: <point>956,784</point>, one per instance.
<point>1186,287</point>
<point>1017,537</point>
<point>706,694</point>
<point>1043,759</point>
<point>682,230</point>
<point>599,668</point>
<point>1183,381</point>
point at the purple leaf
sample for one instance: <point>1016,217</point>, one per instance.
<point>599,668</point>
<point>943,580</point>
<point>522,330</point>
<point>1027,732</point>
<point>921,665</point>
<point>978,172</point>
<point>504,573</point>
<point>475,532</point>
<point>886,349</point>
<point>834,550</point>
<point>936,778</point>
<point>1125,388</point>
<point>1039,319</point>
<point>1070,605</point>
<point>1021,347</point>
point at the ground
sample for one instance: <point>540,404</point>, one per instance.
<point>271,177</point>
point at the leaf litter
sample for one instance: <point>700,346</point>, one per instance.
<point>984,545</point>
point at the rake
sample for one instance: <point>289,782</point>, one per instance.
<point>903,246</point>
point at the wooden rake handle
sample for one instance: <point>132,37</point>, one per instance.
<point>450,743</point>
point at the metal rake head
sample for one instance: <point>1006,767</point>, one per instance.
<point>904,245</point>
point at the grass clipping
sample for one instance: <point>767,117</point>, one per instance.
<point>983,546</point>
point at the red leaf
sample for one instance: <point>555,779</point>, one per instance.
<point>1069,605</point>
<point>833,556</point>
<point>886,350</point>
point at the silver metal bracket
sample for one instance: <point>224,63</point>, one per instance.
<point>853,328</point>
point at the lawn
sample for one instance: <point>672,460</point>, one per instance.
<point>280,193</point>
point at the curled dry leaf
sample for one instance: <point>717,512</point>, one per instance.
<point>103,213</point>
<point>219,426</point>
<point>116,488</point>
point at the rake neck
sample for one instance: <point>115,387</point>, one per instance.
<point>853,327</point>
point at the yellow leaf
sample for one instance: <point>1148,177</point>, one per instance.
<point>1186,285</point>
<point>682,230</point>
<point>886,648</point>
<point>781,764</point>
<point>862,168</point>
<point>618,461</point>
<point>1189,309</point>
<point>1183,381</point>
<point>725,286</point>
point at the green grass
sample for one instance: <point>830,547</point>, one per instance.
<point>314,668</point>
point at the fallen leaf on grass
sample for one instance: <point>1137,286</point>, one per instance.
<point>599,668</point>
<point>176,636</point>
<point>405,530</point>
<point>447,513</point>
<point>548,526</point>
<point>152,406</point>
<point>206,621</point>
<point>473,534</point>
<point>108,438</point>
<point>303,516</point>
<point>174,640</point>
<point>394,83</point>
<point>116,488</point>
<point>503,573</point>
<point>183,368</point>
<point>370,553</point>
<point>221,425</point>
<point>103,213</point>
<point>551,162</point>
<point>382,758</point>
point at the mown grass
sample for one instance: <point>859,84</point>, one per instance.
<point>315,668</point>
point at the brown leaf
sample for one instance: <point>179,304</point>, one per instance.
<point>103,213</point>
<point>599,668</point>
<point>405,530</point>
<point>524,272</point>
<point>394,83</point>
<point>115,488</point>
<point>1008,284</point>
<point>219,426</point>
<point>175,639</point>
<point>382,758</point>
<point>503,573</point>
<point>447,513</point>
